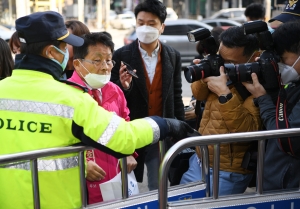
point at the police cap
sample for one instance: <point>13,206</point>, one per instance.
<point>45,26</point>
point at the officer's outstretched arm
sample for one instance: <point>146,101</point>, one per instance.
<point>112,134</point>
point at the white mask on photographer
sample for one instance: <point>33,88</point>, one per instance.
<point>288,73</point>
<point>147,34</point>
<point>95,81</point>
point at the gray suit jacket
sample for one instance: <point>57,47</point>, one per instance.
<point>137,95</point>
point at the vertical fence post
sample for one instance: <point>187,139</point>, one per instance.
<point>260,166</point>
<point>35,183</point>
<point>83,188</point>
<point>124,178</point>
<point>163,186</point>
<point>216,171</point>
<point>205,168</point>
<point>162,150</point>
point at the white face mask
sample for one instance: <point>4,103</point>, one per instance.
<point>94,80</point>
<point>147,34</point>
<point>65,60</point>
<point>288,73</point>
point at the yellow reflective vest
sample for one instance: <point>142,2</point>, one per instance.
<point>38,112</point>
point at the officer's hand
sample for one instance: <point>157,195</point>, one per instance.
<point>131,163</point>
<point>125,78</point>
<point>255,88</point>
<point>178,129</point>
<point>94,172</point>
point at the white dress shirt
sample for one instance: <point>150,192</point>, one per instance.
<point>150,61</point>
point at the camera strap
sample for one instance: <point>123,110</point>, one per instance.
<point>241,89</point>
<point>285,104</point>
<point>282,121</point>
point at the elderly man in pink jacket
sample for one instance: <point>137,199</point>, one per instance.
<point>93,63</point>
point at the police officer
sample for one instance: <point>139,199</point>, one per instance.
<point>38,111</point>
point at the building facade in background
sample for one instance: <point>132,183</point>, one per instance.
<point>96,12</point>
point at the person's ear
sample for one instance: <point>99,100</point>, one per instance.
<point>48,52</point>
<point>76,64</point>
<point>162,28</point>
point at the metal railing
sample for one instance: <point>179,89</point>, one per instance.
<point>260,136</point>
<point>201,141</point>
<point>33,156</point>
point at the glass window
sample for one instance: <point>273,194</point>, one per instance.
<point>238,13</point>
<point>214,24</point>
<point>193,27</point>
<point>226,24</point>
<point>225,15</point>
<point>175,30</point>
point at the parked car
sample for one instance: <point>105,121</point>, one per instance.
<point>123,21</point>
<point>10,27</point>
<point>175,35</point>
<point>236,14</point>
<point>224,23</point>
<point>5,33</point>
<point>112,15</point>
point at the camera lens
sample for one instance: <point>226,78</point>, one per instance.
<point>242,72</point>
<point>196,72</point>
<point>245,71</point>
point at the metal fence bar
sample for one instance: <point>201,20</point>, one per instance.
<point>215,139</point>
<point>205,168</point>
<point>35,183</point>
<point>82,179</point>
<point>23,156</point>
<point>124,178</point>
<point>260,166</point>
<point>216,168</point>
<point>162,150</point>
<point>33,156</point>
<point>169,156</point>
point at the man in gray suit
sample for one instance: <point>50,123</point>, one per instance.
<point>157,90</point>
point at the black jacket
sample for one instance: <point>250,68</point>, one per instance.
<point>137,95</point>
<point>281,171</point>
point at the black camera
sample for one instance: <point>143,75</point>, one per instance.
<point>266,67</point>
<point>210,65</point>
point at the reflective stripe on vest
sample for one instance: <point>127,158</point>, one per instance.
<point>46,165</point>
<point>110,130</point>
<point>37,107</point>
<point>155,129</point>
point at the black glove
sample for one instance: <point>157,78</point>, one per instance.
<point>178,129</point>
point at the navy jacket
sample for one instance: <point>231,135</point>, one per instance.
<point>281,171</point>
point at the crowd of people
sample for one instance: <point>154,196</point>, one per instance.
<point>69,86</point>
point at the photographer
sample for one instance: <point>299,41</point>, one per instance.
<point>227,111</point>
<point>282,164</point>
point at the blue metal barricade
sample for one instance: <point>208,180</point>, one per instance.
<point>236,201</point>
<point>148,199</point>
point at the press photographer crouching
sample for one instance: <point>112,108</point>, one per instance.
<point>282,157</point>
<point>226,109</point>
